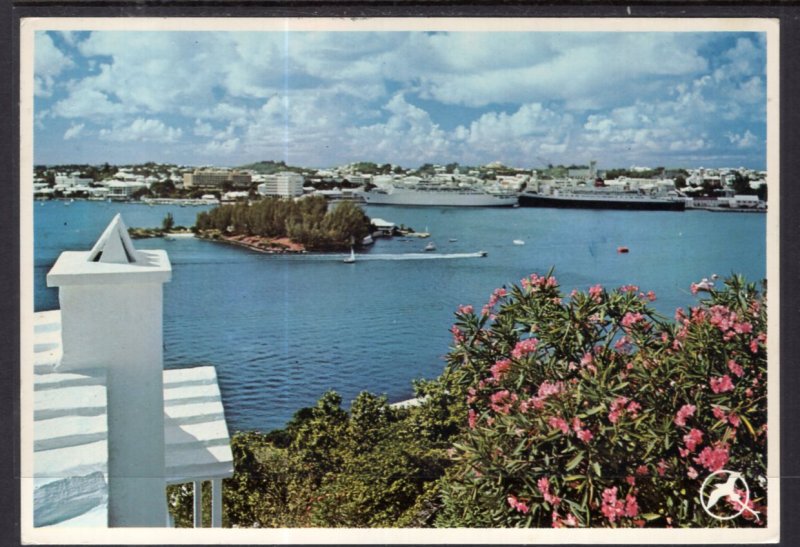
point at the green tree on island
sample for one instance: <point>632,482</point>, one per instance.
<point>308,221</point>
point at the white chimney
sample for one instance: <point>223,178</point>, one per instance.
<point>111,318</point>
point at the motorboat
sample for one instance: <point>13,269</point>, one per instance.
<point>518,242</point>
<point>430,246</point>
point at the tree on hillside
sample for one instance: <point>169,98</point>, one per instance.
<point>741,184</point>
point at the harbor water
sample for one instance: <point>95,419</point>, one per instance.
<point>283,329</point>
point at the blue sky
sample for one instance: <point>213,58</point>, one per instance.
<point>327,98</point>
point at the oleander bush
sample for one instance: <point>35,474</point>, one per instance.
<point>592,410</point>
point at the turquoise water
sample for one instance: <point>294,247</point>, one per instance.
<point>281,330</point>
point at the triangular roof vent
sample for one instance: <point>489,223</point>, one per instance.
<point>114,245</point>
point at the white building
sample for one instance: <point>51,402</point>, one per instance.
<point>63,181</point>
<point>285,184</point>
<point>111,427</point>
<point>124,189</point>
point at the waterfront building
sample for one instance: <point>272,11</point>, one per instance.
<point>63,181</point>
<point>233,196</point>
<point>285,184</point>
<point>215,179</point>
<point>111,427</point>
<point>123,189</point>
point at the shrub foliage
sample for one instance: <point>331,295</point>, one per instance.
<point>553,410</point>
<point>594,411</point>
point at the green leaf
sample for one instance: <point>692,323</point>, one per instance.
<point>749,425</point>
<point>596,467</point>
<point>573,463</point>
<point>650,516</point>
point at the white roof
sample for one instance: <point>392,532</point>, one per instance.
<point>71,432</point>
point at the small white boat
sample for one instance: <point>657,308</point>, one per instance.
<point>518,242</point>
<point>705,285</point>
<point>430,246</point>
<point>452,240</point>
<point>367,240</point>
<point>350,259</point>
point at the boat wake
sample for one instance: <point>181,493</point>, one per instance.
<point>419,256</point>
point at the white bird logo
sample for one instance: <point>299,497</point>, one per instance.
<point>728,490</point>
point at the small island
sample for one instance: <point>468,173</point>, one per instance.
<point>167,230</point>
<point>279,225</point>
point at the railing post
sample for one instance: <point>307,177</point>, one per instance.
<point>197,516</point>
<point>216,503</point>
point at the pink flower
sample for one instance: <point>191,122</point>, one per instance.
<point>569,520</point>
<point>692,439</point>
<point>472,418</point>
<point>721,384</point>
<point>719,414</point>
<point>612,508</point>
<point>546,389</point>
<point>651,296</point>
<point>617,408</point>
<point>458,336</point>
<point>622,343</point>
<point>544,488</point>
<point>631,506</point>
<point>516,504</point>
<point>500,368</point>
<point>596,292</point>
<point>501,401</point>
<point>685,411</point>
<point>754,345</point>
<point>662,467</point>
<point>735,368</point>
<point>734,420</point>
<point>642,470</point>
<point>585,435</point>
<point>630,319</point>
<point>634,408</point>
<point>713,459</point>
<point>557,422</point>
<point>692,473</point>
<point>630,479</point>
<point>465,310</point>
<point>524,347</point>
<point>693,287</point>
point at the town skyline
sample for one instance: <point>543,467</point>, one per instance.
<point>525,99</point>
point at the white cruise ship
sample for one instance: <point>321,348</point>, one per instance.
<point>438,195</point>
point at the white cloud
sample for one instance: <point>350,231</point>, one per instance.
<point>90,103</point>
<point>319,97</point>
<point>408,134</point>
<point>49,62</point>
<point>73,131</point>
<point>222,147</point>
<point>142,130</point>
<point>746,140</point>
<point>70,37</point>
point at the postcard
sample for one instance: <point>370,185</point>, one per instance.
<point>410,280</point>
